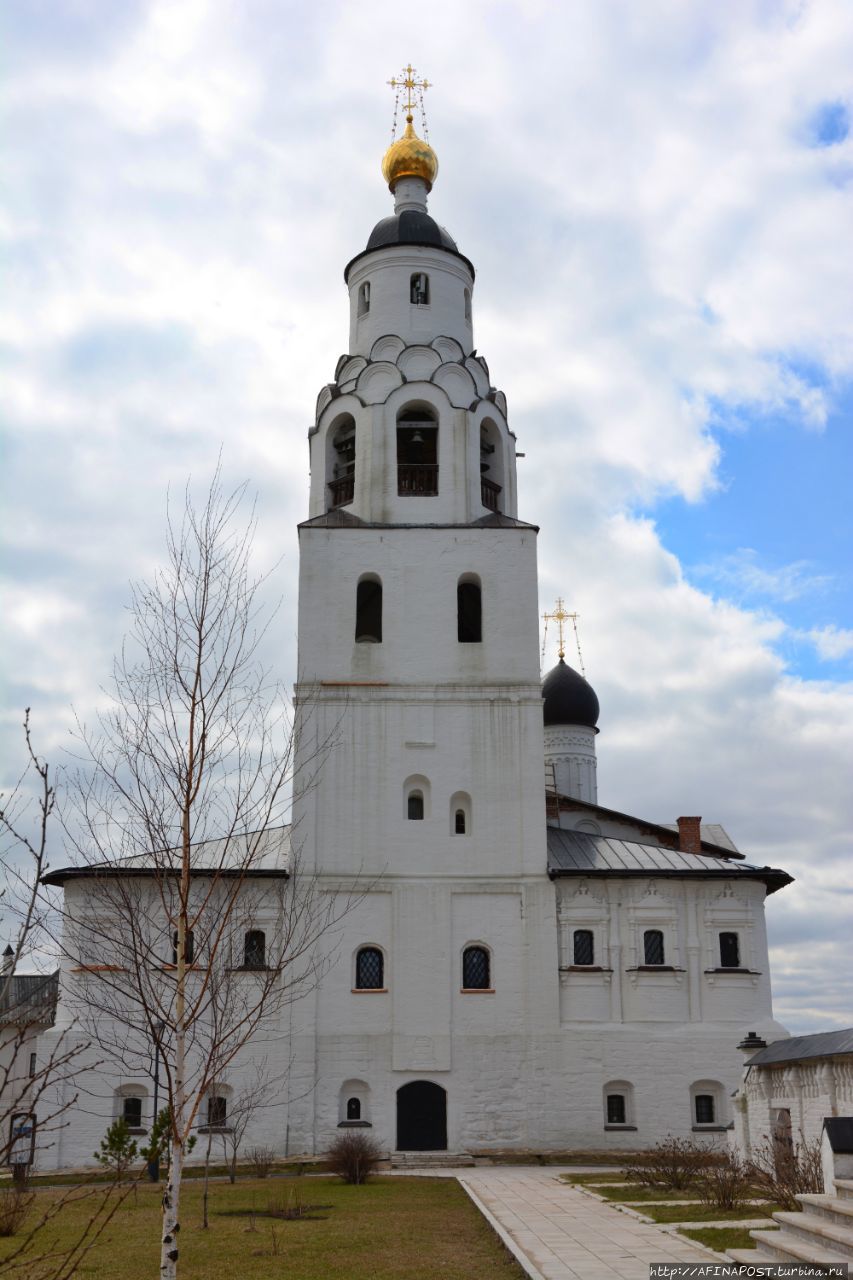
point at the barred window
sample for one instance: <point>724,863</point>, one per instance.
<point>369,969</point>
<point>459,822</point>
<point>584,950</point>
<point>131,1111</point>
<point>255,949</point>
<point>704,1108</point>
<point>217,1111</point>
<point>729,951</point>
<point>616,1113</point>
<point>475,969</point>
<point>653,947</point>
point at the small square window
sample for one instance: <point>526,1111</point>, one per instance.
<point>132,1112</point>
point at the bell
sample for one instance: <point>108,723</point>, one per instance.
<point>417,438</point>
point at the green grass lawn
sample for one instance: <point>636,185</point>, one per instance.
<point>584,1179</point>
<point>722,1238</point>
<point>701,1213</point>
<point>634,1191</point>
<point>390,1229</point>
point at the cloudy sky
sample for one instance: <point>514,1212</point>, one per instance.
<point>658,199</point>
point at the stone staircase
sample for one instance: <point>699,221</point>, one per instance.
<point>430,1159</point>
<point>822,1233</point>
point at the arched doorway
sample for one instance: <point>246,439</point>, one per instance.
<point>421,1117</point>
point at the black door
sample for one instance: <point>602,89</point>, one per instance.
<point>421,1117</point>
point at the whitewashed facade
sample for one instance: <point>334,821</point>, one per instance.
<point>516,974</point>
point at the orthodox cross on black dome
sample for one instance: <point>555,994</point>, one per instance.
<point>561,617</point>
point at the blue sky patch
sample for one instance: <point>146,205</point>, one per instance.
<point>829,124</point>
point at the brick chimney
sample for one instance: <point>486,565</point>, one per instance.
<point>689,835</point>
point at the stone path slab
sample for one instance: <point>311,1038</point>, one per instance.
<point>558,1232</point>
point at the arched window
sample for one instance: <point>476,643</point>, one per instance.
<point>341,463</point>
<point>467,304</point>
<point>584,950</point>
<point>415,806</point>
<point>369,969</point>
<point>132,1111</point>
<point>469,610</point>
<point>353,1108</point>
<point>255,949</point>
<point>189,947</point>
<point>217,1111</point>
<point>368,610</point>
<point>729,951</point>
<point>354,1105</point>
<point>475,969</point>
<point>460,814</point>
<point>491,465</point>
<point>419,289</point>
<point>364,298</point>
<point>653,953</point>
<point>618,1104</point>
<point>417,454</point>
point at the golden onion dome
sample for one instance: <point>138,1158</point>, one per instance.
<point>410,157</point>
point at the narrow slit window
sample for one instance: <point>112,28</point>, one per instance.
<point>459,822</point>
<point>653,953</point>
<point>584,949</point>
<point>132,1112</point>
<point>419,289</point>
<point>415,806</point>
<point>255,949</point>
<point>704,1108</point>
<point>616,1112</point>
<point>475,969</point>
<point>369,969</point>
<point>469,613</point>
<point>467,304</point>
<point>364,298</point>
<point>368,612</point>
<point>729,951</point>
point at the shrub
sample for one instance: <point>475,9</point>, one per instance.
<point>673,1163</point>
<point>726,1183</point>
<point>354,1157</point>
<point>14,1206</point>
<point>781,1172</point>
<point>261,1160</point>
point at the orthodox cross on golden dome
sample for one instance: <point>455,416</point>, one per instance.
<point>408,85</point>
<point>561,616</point>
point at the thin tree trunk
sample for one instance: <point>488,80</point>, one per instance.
<point>204,1219</point>
<point>172,1195</point>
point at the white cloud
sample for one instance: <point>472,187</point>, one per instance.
<point>741,574</point>
<point>832,642</point>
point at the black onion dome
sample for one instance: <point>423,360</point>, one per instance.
<point>569,699</point>
<point>412,226</point>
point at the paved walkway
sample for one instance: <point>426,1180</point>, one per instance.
<point>558,1232</point>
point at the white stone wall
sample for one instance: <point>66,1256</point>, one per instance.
<point>571,750</point>
<point>389,274</point>
<point>809,1091</point>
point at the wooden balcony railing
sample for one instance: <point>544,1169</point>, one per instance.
<point>489,493</point>
<point>342,490</point>
<point>417,479</point>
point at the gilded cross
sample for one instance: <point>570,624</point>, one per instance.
<point>408,80</point>
<point>561,617</point>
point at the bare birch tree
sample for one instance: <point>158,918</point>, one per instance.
<point>38,1076</point>
<point>188,918</point>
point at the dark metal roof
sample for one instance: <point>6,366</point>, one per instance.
<point>576,853</point>
<point>339,519</point>
<point>29,997</point>
<point>411,227</point>
<point>665,833</point>
<point>120,872</point>
<point>823,1044</point>
<point>569,699</point>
